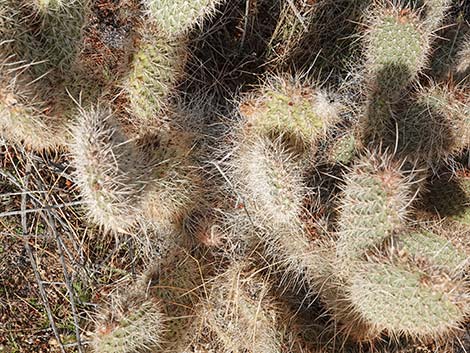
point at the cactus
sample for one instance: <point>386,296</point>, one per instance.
<point>125,180</point>
<point>40,72</point>
<point>463,57</point>
<point>268,190</point>
<point>283,122</point>
<point>290,110</point>
<point>157,66</point>
<point>110,170</point>
<point>51,5</point>
<point>177,17</point>
<point>374,205</point>
<point>434,12</point>
<point>417,291</point>
<point>294,23</point>
<point>272,184</point>
<point>238,187</point>
<point>343,150</point>
<point>390,68</point>
<point>133,322</point>
<point>241,313</point>
<point>417,274</point>
<point>434,126</point>
<point>178,284</point>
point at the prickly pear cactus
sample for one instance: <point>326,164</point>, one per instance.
<point>375,192</point>
<point>391,67</point>
<point>287,109</point>
<point>133,322</point>
<point>268,157</point>
<point>416,289</point>
<point>41,74</point>
<point>177,17</point>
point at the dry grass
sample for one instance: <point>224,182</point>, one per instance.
<point>54,266</point>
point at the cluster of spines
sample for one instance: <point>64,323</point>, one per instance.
<point>397,47</point>
<point>463,60</point>
<point>415,288</point>
<point>41,80</point>
<point>290,109</point>
<point>241,313</point>
<point>433,126</point>
<point>157,66</point>
<point>131,323</point>
<point>374,205</point>
<point>145,169</point>
<point>127,182</point>
<point>281,126</point>
<point>376,196</point>
<point>111,171</point>
<point>176,18</point>
<point>130,168</point>
<point>377,252</point>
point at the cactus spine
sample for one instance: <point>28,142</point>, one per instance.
<point>157,66</point>
<point>131,74</point>
<point>397,47</point>
<point>434,126</point>
<point>450,197</point>
<point>295,21</point>
<point>241,313</point>
<point>108,170</point>
<point>417,274</point>
<point>288,109</point>
<point>418,291</point>
<point>374,205</point>
<point>177,17</point>
<point>463,57</point>
<point>126,181</point>
<point>133,322</point>
<point>39,49</point>
<point>272,183</point>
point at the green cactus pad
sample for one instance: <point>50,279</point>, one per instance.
<point>343,149</point>
<point>406,300</point>
<point>177,17</point>
<point>132,323</point>
<point>436,250</point>
<point>413,288</point>
<point>285,108</point>
<point>397,45</point>
<point>157,66</point>
<point>396,48</point>
<point>375,197</point>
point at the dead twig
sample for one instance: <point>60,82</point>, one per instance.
<point>42,291</point>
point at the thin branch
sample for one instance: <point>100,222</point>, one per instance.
<point>47,217</point>
<point>68,284</point>
<point>24,224</point>
<point>41,209</point>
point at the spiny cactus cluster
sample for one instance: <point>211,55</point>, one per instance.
<point>339,181</point>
